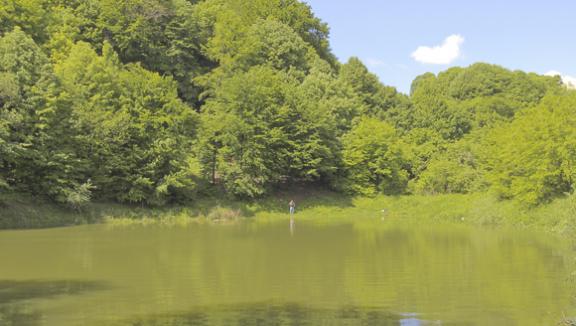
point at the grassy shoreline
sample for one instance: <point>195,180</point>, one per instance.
<point>24,212</point>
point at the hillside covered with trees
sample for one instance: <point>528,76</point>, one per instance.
<point>162,101</point>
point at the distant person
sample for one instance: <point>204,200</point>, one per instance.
<point>292,205</point>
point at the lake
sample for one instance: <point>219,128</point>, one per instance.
<point>262,272</point>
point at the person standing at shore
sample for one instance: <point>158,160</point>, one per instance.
<point>292,206</point>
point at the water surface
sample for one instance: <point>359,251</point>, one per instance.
<point>354,272</point>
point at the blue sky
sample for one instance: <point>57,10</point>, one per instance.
<point>536,36</point>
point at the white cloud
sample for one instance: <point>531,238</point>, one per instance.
<point>569,81</point>
<point>440,54</point>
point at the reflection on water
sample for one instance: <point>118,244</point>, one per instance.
<point>11,291</point>
<point>320,272</point>
<point>15,309</point>
<point>287,314</point>
<point>19,315</point>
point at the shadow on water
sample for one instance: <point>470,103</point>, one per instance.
<point>14,296</point>
<point>287,314</point>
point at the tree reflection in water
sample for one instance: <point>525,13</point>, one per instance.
<point>286,314</point>
<point>14,296</point>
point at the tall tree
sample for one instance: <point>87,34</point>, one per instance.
<point>260,132</point>
<point>533,159</point>
<point>379,100</point>
<point>374,161</point>
<point>131,127</point>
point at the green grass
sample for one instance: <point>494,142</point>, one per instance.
<point>20,211</point>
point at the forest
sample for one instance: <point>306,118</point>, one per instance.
<point>161,102</point>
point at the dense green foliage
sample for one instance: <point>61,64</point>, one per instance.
<point>373,159</point>
<point>154,102</point>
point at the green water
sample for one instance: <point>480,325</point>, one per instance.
<point>366,272</point>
